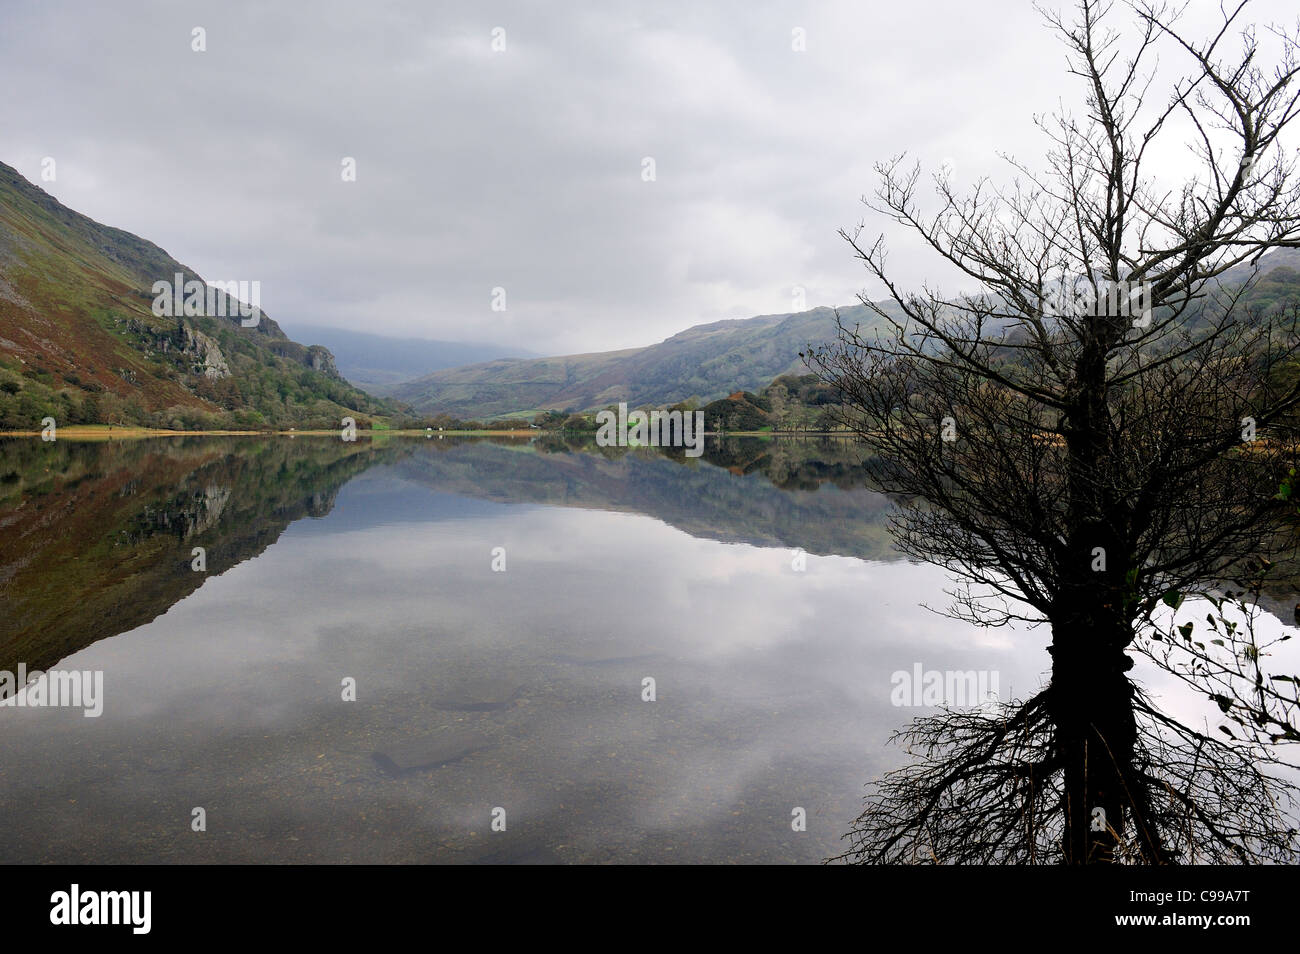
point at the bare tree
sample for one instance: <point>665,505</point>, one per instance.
<point>1101,425</point>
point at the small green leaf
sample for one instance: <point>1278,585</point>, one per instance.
<point>1173,599</point>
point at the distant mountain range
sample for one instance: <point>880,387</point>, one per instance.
<point>79,340</point>
<point>378,364</point>
<point>705,362</point>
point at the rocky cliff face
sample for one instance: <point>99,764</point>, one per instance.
<point>321,359</point>
<point>208,359</point>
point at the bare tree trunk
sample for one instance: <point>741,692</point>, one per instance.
<point>1091,703</point>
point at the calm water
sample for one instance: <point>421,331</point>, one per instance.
<point>476,689</point>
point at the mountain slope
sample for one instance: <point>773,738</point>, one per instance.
<point>79,341</point>
<point>706,362</point>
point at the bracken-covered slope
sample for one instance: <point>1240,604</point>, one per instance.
<point>79,341</point>
<point>704,362</point>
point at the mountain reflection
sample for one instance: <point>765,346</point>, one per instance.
<point>100,537</point>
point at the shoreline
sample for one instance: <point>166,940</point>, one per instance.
<point>106,432</point>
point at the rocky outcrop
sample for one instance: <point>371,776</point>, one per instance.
<point>321,359</point>
<point>208,359</point>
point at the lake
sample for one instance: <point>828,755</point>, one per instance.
<point>390,643</point>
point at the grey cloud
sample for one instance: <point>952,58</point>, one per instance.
<point>519,169</point>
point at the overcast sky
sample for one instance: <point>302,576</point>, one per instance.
<point>520,168</point>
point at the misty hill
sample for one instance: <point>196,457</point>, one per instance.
<point>716,364</point>
<point>705,362</point>
<point>79,341</point>
<point>1278,258</point>
<point>377,364</point>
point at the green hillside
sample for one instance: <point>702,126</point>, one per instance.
<point>79,341</point>
<point>706,362</point>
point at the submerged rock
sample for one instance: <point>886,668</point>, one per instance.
<point>414,755</point>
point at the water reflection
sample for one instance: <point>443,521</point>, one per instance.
<point>476,689</point>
